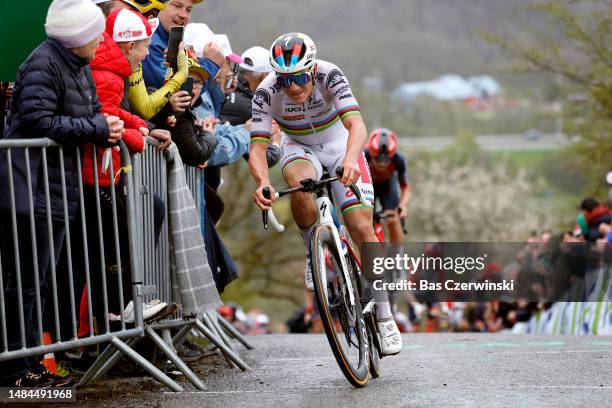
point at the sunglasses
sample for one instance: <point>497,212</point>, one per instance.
<point>382,158</point>
<point>299,79</point>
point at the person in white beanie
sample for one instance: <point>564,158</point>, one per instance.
<point>77,25</point>
<point>54,97</point>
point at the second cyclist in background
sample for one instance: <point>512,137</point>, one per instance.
<point>390,180</point>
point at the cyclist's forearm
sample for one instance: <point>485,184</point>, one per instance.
<point>357,138</point>
<point>405,196</point>
<point>258,163</point>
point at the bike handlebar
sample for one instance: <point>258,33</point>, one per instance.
<point>268,215</point>
<point>308,187</point>
<point>356,191</point>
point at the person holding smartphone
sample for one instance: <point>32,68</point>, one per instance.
<point>194,137</point>
<point>176,13</point>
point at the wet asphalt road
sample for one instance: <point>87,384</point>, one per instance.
<point>433,370</point>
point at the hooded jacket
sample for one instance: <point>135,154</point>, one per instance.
<point>110,68</point>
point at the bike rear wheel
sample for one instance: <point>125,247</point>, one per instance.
<point>344,324</point>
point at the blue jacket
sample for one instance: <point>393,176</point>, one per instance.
<point>153,69</point>
<point>54,97</point>
<point>232,141</point>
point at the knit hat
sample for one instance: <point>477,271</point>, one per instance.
<point>74,23</point>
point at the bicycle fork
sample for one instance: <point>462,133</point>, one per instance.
<point>324,206</point>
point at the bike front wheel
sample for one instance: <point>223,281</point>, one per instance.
<point>343,322</point>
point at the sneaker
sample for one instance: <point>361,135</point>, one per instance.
<point>154,313</point>
<point>308,276</point>
<point>149,310</point>
<point>152,308</point>
<point>34,380</point>
<point>128,313</point>
<point>391,339</point>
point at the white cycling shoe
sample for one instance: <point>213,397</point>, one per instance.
<point>308,276</point>
<point>391,339</point>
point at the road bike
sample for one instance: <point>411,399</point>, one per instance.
<point>347,310</point>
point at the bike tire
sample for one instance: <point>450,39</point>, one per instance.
<point>374,356</point>
<point>356,374</point>
<point>373,340</point>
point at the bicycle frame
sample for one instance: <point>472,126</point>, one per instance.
<point>324,206</point>
<point>355,313</point>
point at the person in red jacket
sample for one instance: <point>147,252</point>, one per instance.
<point>126,43</point>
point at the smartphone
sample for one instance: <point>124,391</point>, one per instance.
<point>188,85</point>
<point>176,36</point>
<point>230,79</point>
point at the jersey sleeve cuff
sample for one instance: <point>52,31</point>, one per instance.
<point>349,111</point>
<point>261,137</point>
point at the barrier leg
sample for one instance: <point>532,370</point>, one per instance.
<point>108,352</point>
<point>224,349</point>
<point>180,337</point>
<point>180,364</point>
<point>150,368</point>
<point>208,323</point>
<point>218,329</point>
<point>232,331</point>
<point>115,358</point>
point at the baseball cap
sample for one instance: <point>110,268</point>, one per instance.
<point>256,59</point>
<point>194,65</point>
<point>223,43</point>
<point>198,35</point>
<point>126,25</point>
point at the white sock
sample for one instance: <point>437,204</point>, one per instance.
<point>383,310</point>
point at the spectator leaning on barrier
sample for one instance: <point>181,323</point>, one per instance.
<point>54,97</point>
<point>136,99</point>
<point>126,42</point>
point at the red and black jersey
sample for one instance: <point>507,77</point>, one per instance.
<point>397,164</point>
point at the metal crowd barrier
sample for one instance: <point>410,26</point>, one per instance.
<point>31,251</point>
<point>144,176</point>
<point>150,177</point>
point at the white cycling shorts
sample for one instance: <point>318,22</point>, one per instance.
<point>329,155</point>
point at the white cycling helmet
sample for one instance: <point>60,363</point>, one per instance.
<point>293,52</point>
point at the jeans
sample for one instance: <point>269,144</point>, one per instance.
<point>13,369</point>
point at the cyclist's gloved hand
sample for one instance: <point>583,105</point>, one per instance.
<point>351,172</point>
<point>260,200</point>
